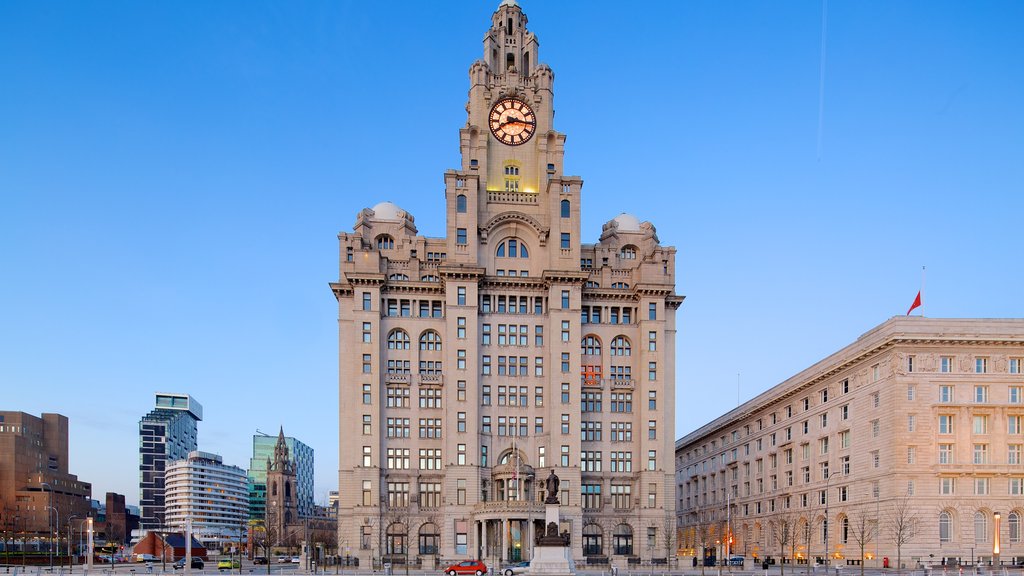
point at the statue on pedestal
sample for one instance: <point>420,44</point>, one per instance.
<point>551,487</point>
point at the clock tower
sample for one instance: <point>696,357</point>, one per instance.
<point>474,365</point>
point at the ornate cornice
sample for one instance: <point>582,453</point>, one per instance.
<point>566,276</point>
<point>365,278</point>
<point>341,290</point>
<point>518,282</point>
<point>461,272</point>
<point>610,294</point>
<point>412,287</point>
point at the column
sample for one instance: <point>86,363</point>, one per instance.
<point>503,540</point>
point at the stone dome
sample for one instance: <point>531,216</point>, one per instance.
<point>508,3</point>
<point>388,211</point>
<point>627,222</point>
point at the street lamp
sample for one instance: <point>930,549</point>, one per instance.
<point>49,524</point>
<point>71,558</point>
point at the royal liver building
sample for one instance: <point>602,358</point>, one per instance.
<point>474,364</point>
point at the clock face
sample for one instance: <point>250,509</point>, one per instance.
<point>512,121</point>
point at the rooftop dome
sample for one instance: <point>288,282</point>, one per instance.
<point>387,211</point>
<point>508,3</point>
<point>627,222</point>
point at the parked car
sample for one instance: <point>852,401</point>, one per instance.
<point>228,564</point>
<point>296,560</point>
<point>475,567</point>
<point>517,568</point>
<point>197,563</point>
<point>284,559</point>
<point>736,561</point>
<point>259,560</point>
<point>145,558</point>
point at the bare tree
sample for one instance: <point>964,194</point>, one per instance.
<point>782,529</point>
<point>901,522</point>
<point>863,532</point>
<point>263,537</point>
<point>704,523</point>
<point>806,535</point>
<point>669,537</point>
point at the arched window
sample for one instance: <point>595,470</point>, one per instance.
<point>460,203</point>
<point>565,208</point>
<point>622,540</point>
<point>945,527</point>
<point>430,278</point>
<point>620,285</point>
<point>620,346</point>
<point>430,539</point>
<point>593,540</point>
<point>430,340</point>
<point>1013,523</point>
<point>590,346</point>
<point>396,535</point>
<point>398,339</point>
<point>273,488</point>
<point>628,252</point>
<point>385,242</point>
<point>512,248</point>
<point>591,284</point>
<point>398,277</point>
<point>844,530</point>
<point>980,527</point>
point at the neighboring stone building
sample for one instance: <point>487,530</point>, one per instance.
<point>37,492</point>
<point>473,364</point>
<point>263,454</point>
<point>919,414</point>
<point>214,496</point>
<point>167,433</point>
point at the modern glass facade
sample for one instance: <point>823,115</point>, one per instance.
<point>262,452</point>
<point>168,433</point>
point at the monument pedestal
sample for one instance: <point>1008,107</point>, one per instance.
<point>552,555</point>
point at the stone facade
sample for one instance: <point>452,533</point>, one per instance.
<point>474,364</point>
<point>919,419</point>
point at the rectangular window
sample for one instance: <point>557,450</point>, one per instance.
<point>980,424</point>
<point>367,332</point>
<point>652,311</point>
<point>1015,489</point>
<point>911,422</point>
<point>945,453</point>
<point>565,299</point>
<point>1013,424</point>
<point>366,301</point>
<point>1016,365</point>
<point>981,453</point>
<point>1013,454</point>
<point>946,364</point>
<point>652,460</point>
<point>875,428</point>
<point>980,365</point>
<point>947,486</point>
<point>564,456</point>
<point>910,392</point>
<point>980,486</point>
<point>911,454</point>
<point>981,394</point>
<point>460,237</point>
<point>1015,394</point>
<point>945,394</point>
<point>366,394</point>
<point>652,371</point>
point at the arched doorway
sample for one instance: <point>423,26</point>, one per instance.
<point>593,540</point>
<point>622,540</point>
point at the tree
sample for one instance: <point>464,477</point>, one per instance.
<point>263,537</point>
<point>863,531</point>
<point>704,523</point>
<point>782,529</point>
<point>902,524</point>
<point>669,536</point>
<point>807,532</point>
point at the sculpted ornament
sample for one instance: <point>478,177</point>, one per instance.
<point>1000,362</point>
<point>929,363</point>
<point>965,364</point>
<point>900,364</point>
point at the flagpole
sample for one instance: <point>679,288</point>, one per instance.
<point>922,289</point>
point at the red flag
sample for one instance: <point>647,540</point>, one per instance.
<point>917,303</point>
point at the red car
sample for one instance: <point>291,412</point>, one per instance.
<point>474,567</point>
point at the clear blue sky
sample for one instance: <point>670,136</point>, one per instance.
<point>173,176</point>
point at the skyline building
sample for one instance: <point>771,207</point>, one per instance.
<point>213,495</point>
<point>914,429</point>
<point>475,364</point>
<point>167,433</point>
<point>37,491</point>
<point>303,458</point>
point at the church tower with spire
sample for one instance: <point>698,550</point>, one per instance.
<point>474,365</point>
<point>282,497</point>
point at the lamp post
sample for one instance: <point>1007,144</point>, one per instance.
<point>71,558</point>
<point>49,524</point>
